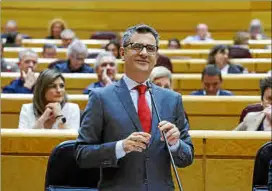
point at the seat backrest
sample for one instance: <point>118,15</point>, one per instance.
<point>62,169</point>
<point>250,108</point>
<point>104,35</point>
<point>262,160</point>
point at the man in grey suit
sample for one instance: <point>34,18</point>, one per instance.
<point>120,132</point>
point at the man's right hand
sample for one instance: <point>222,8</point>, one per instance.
<point>29,78</point>
<point>137,141</point>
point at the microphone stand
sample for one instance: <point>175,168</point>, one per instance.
<point>164,137</point>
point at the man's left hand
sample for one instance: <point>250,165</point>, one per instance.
<point>171,131</point>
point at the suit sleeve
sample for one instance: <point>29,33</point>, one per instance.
<point>184,155</point>
<point>91,151</point>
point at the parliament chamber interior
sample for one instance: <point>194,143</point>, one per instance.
<point>224,157</point>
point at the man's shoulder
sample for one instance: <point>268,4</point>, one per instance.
<point>226,92</point>
<point>88,69</point>
<point>197,92</point>
<point>166,92</point>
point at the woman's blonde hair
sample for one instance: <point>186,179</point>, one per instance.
<point>53,22</point>
<point>45,78</point>
<point>241,38</point>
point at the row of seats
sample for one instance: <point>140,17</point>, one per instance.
<point>93,43</point>
<point>239,84</point>
<point>11,52</point>
<point>175,19</point>
<point>205,113</point>
<point>258,65</point>
<point>219,155</point>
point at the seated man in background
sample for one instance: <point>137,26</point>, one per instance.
<point>28,60</point>
<point>7,66</point>
<point>202,34</point>
<point>49,51</point>
<point>261,120</point>
<point>106,69</point>
<point>240,49</point>
<point>11,27</point>
<point>211,82</point>
<point>161,76</point>
<point>67,37</point>
<point>77,52</point>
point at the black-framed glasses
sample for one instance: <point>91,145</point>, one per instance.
<point>138,47</point>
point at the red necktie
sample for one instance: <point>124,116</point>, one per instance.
<point>143,109</point>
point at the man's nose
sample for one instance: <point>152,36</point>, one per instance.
<point>144,51</point>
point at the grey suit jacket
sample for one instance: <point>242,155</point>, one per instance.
<point>110,116</point>
<point>251,122</point>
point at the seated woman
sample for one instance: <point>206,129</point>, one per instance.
<point>219,55</point>
<point>49,109</point>
<point>260,120</point>
<point>240,49</point>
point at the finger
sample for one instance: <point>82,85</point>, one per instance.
<point>162,123</point>
<point>29,71</point>
<point>139,138</point>
<point>166,127</point>
<point>23,74</point>
<point>139,145</point>
<point>175,135</point>
<point>144,134</point>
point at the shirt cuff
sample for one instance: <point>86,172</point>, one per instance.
<point>119,150</point>
<point>175,147</point>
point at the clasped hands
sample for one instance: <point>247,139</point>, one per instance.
<point>52,110</point>
<point>138,141</point>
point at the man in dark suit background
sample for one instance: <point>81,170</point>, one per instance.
<point>120,132</point>
<point>211,81</point>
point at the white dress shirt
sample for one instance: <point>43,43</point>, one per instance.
<point>70,111</point>
<point>225,70</point>
<point>131,84</point>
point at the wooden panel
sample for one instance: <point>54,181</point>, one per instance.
<point>182,53</point>
<point>191,177</point>
<point>213,122</point>
<point>185,83</point>
<point>235,147</point>
<point>21,173</point>
<point>116,16</point>
<point>10,120</point>
<point>229,174</point>
<point>179,65</point>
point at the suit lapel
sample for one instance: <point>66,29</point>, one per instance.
<point>155,120</point>
<point>124,96</point>
<point>256,121</point>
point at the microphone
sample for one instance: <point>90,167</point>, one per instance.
<point>164,136</point>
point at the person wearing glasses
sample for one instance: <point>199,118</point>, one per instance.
<point>120,132</point>
<point>106,68</point>
<point>77,52</point>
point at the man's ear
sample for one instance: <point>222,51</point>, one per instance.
<point>122,52</point>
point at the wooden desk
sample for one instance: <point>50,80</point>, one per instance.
<point>258,65</point>
<point>11,52</point>
<point>219,155</point>
<point>205,112</point>
<point>239,84</point>
<point>93,43</point>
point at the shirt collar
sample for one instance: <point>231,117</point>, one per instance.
<point>131,83</point>
<point>217,93</point>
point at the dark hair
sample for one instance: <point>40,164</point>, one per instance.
<point>141,28</point>
<point>174,40</point>
<point>45,78</point>
<point>211,70</point>
<point>264,84</point>
<point>11,39</point>
<point>214,51</point>
<point>46,46</point>
<point>116,44</point>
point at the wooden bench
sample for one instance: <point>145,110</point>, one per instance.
<point>92,43</point>
<point>175,19</point>
<point>219,155</point>
<point>239,84</point>
<point>205,112</point>
<point>258,65</point>
<point>12,52</point>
